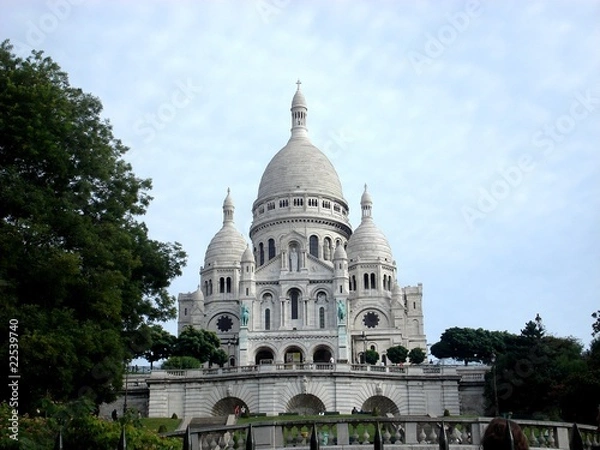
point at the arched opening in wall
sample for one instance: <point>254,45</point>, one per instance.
<point>261,254</point>
<point>383,404</point>
<point>305,404</point>
<point>271,249</point>
<point>264,356</point>
<point>293,355</point>
<point>229,405</point>
<point>322,355</point>
<point>294,300</point>
<point>228,285</point>
<point>314,246</point>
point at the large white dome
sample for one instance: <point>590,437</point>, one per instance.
<point>300,167</point>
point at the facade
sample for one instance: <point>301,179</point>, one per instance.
<point>298,305</point>
<point>307,287</point>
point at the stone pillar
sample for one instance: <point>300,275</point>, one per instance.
<point>243,347</point>
<point>342,345</point>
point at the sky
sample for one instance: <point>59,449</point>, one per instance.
<point>475,125</point>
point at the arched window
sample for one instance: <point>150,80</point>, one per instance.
<point>206,288</point>
<point>267,319</point>
<point>210,287</point>
<point>221,285</point>
<point>261,254</point>
<point>228,285</point>
<point>321,317</point>
<point>294,295</point>
<point>271,249</point>
<point>353,283</point>
<point>314,246</point>
<point>366,281</point>
<point>385,281</point>
<point>373,285</point>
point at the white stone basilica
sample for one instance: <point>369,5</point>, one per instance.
<point>308,288</point>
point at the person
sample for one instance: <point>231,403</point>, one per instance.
<point>496,436</point>
<point>341,308</point>
<point>115,415</point>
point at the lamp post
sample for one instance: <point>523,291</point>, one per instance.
<point>364,339</point>
<point>495,386</point>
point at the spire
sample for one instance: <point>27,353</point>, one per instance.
<point>366,204</point>
<point>299,110</point>
<point>228,208</point>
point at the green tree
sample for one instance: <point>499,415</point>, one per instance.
<point>397,354</point>
<point>371,357</point>
<point>161,345</point>
<point>181,362</point>
<point>468,344</point>
<point>219,357</point>
<point>416,355</point>
<point>200,344</point>
<point>78,271</point>
<point>532,375</point>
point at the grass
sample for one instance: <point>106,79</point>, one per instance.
<point>154,423</point>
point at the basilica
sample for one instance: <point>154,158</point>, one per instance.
<point>307,287</point>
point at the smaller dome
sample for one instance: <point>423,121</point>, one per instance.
<point>228,245</point>
<point>366,197</point>
<point>368,242</point>
<point>248,256</point>
<point>198,296</point>
<point>340,253</point>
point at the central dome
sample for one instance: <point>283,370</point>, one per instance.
<point>300,167</point>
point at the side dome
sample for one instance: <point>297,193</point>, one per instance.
<point>368,242</point>
<point>228,245</point>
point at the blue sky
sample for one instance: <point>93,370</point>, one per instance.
<point>474,123</point>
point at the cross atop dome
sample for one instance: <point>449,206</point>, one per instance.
<point>298,83</point>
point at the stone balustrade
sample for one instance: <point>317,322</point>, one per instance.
<point>466,373</point>
<point>399,433</point>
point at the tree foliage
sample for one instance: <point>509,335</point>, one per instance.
<point>468,344</point>
<point>397,354</point>
<point>416,355</point>
<point>181,362</point>
<point>596,324</point>
<point>200,344</point>
<point>540,376</point>
<point>371,357</point>
<point>161,345</point>
<point>78,270</point>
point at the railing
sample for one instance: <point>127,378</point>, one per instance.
<point>396,433</point>
<point>466,373</point>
